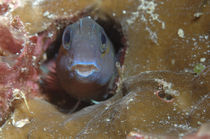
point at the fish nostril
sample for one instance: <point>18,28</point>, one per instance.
<point>84,70</point>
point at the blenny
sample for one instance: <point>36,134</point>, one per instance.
<point>86,60</point>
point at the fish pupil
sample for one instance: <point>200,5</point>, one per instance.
<point>103,38</point>
<point>103,41</point>
<point>66,39</point>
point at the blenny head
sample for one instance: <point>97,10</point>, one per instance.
<point>86,59</point>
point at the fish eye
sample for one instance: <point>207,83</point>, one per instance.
<point>103,38</point>
<point>66,38</point>
<point>103,43</point>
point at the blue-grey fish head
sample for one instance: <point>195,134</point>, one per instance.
<point>87,54</point>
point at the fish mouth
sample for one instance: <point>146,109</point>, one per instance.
<point>85,70</point>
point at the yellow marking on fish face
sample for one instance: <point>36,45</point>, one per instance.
<point>106,51</point>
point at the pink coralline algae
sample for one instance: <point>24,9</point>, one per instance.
<point>19,70</point>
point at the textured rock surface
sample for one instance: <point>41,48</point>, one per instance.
<point>165,75</point>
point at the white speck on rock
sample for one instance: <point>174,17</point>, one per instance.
<point>24,69</point>
<point>37,2</point>
<point>50,34</point>
<point>203,59</point>
<point>206,37</point>
<point>46,13</point>
<point>198,14</point>
<point>180,33</point>
<point>21,123</point>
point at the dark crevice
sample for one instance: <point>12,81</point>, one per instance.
<point>57,96</point>
<point>163,95</point>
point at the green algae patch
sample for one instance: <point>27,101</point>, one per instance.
<point>199,68</point>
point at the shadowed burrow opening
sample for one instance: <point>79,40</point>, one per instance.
<point>49,83</point>
<point>164,94</point>
<point>166,97</point>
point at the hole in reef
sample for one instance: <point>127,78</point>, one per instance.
<point>55,94</point>
<point>163,95</point>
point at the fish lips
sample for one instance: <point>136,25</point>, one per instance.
<point>85,72</point>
